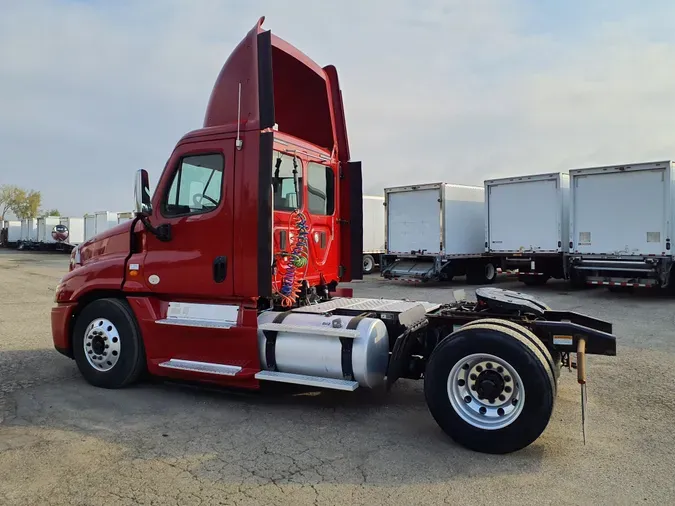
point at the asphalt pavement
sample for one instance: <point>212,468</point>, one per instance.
<point>63,441</point>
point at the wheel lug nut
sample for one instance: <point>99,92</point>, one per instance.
<point>507,390</point>
<point>473,377</point>
<point>479,368</point>
<point>488,365</point>
<point>502,398</point>
<point>473,387</point>
<point>500,369</point>
<point>507,378</point>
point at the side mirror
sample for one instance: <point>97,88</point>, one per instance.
<point>142,193</point>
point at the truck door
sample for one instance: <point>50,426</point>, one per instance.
<point>195,195</point>
<point>324,242</point>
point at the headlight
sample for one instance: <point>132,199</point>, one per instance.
<point>75,259</point>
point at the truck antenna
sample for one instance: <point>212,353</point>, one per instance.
<point>239,142</point>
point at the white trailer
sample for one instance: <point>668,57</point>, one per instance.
<point>123,217</point>
<point>89,226</point>
<point>25,233</point>
<point>527,224</point>
<point>622,225</point>
<point>32,230</point>
<point>373,232</point>
<point>105,220</point>
<point>436,231</point>
<point>11,233</point>
<point>71,232</point>
<point>48,235</point>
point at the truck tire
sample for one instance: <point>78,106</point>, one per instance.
<point>368,264</point>
<point>483,273</point>
<point>483,362</point>
<point>553,363</point>
<point>107,344</point>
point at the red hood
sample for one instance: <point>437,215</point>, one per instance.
<point>113,241</point>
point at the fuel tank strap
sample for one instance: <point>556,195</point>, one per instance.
<point>347,345</point>
<point>271,341</point>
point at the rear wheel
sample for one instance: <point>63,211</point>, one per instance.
<point>490,388</point>
<point>368,264</point>
<point>482,273</point>
<point>107,344</point>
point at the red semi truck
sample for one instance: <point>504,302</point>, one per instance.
<point>229,274</point>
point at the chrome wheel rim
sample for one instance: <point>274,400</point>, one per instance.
<point>486,391</point>
<point>102,344</point>
<point>367,264</point>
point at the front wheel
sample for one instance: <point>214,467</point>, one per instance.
<point>107,344</point>
<point>490,388</point>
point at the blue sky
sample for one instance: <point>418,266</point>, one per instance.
<point>434,90</point>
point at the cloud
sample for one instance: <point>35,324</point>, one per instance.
<point>434,91</point>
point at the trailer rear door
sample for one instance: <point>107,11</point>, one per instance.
<point>620,212</point>
<point>524,216</point>
<point>414,219</point>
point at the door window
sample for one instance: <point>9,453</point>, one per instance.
<point>197,186</point>
<point>320,189</point>
<point>285,196</point>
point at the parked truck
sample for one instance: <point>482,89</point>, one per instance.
<point>436,231</point>
<point>239,307</point>
<point>622,224</point>
<point>373,232</point>
<point>527,224</point>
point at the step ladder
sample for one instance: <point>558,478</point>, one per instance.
<point>302,379</point>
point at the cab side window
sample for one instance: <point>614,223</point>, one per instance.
<point>320,189</point>
<point>284,172</point>
<point>197,186</point>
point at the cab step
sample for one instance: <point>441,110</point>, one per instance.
<point>313,381</point>
<point>204,367</point>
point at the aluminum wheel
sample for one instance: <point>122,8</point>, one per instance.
<point>102,344</point>
<point>486,391</point>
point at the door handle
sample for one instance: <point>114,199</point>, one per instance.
<point>220,269</point>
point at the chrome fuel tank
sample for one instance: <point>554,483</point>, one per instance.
<point>310,344</point>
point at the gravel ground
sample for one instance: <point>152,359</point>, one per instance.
<point>65,442</point>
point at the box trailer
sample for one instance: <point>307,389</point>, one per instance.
<point>621,225</point>
<point>70,233</point>
<point>436,231</point>
<point>48,232</point>
<point>11,233</point>
<point>527,224</point>
<point>89,226</point>
<point>105,220</point>
<point>373,232</point>
<point>123,217</point>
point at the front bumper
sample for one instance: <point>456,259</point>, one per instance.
<point>62,316</point>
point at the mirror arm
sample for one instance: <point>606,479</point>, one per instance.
<point>162,232</point>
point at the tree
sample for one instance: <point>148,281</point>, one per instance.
<point>52,212</point>
<point>27,205</point>
<point>9,196</point>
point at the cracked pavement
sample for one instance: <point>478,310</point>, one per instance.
<point>162,443</point>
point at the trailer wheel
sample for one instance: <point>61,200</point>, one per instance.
<point>107,344</point>
<point>482,273</point>
<point>368,264</point>
<point>489,388</point>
